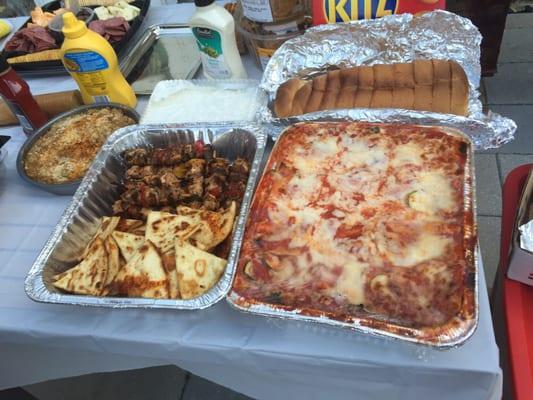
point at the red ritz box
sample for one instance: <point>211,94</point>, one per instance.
<point>333,11</point>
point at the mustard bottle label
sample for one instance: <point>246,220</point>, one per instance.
<point>87,66</point>
<point>210,45</point>
<point>85,61</point>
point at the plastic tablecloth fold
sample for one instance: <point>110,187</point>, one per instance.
<point>263,358</point>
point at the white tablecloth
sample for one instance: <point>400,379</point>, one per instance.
<point>263,358</point>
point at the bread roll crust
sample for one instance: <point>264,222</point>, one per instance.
<point>426,85</point>
<point>459,90</point>
<point>404,76</point>
<point>363,97</point>
<point>381,98</point>
<point>283,105</point>
<point>403,97</point>
<point>365,77</point>
<point>423,72</point>
<point>383,76</point>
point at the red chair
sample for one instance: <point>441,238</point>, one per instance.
<point>517,297</point>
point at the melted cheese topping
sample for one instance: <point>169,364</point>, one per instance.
<point>359,154</point>
<point>433,193</point>
<point>353,203</point>
<point>426,247</point>
<point>350,285</point>
<point>408,153</point>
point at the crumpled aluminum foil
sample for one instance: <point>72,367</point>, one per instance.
<point>392,39</point>
<point>526,236</point>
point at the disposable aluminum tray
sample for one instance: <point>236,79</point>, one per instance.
<point>101,187</point>
<point>164,51</point>
<point>453,334</point>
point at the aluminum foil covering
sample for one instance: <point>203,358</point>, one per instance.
<point>393,39</point>
<point>453,334</point>
<point>101,187</point>
<point>526,236</point>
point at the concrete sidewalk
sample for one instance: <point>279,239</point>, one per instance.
<point>508,93</point>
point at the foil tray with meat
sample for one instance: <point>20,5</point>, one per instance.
<point>155,198</point>
<point>368,226</point>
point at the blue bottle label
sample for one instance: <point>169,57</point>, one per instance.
<point>84,61</point>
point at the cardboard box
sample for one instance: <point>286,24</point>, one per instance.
<point>332,11</point>
<point>520,260</point>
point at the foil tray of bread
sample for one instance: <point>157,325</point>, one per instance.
<point>156,196</point>
<point>163,52</point>
<point>425,66</point>
<point>366,226</point>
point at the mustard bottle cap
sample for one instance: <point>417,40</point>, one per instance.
<point>72,27</point>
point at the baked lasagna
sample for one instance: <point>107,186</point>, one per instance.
<point>359,219</point>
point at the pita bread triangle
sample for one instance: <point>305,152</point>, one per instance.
<point>113,263</point>
<point>214,226</point>
<point>129,225</point>
<point>162,228</point>
<point>107,226</point>
<point>198,271</point>
<point>144,275</point>
<point>139,231</point>
<point>169,263</point>
<point>89,276</point>
<point>128,243</point>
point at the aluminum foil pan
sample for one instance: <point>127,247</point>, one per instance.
<point>453,334</point>
<point>393,39</point>
<point>101,187</point>
<point>68,188</point>
<point>166,95</point>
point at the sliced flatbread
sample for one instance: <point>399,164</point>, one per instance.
<point>129,225</point>
<point>107,226</point>
<point>162,228</point>
<point>169,263</point>
<point>128,243</point>
<point>89,276</point>
<point>144,275</point>
<point>113,263</point>
<point>198,271</point>
<point>214,226</point>
<point>139,231</point>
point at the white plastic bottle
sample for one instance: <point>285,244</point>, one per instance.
<point>214,30</point>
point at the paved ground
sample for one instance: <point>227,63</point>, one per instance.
<point>509,93</point>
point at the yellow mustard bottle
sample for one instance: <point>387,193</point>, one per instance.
<point>93,63</point>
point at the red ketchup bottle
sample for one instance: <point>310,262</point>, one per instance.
<point>18,97</point>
